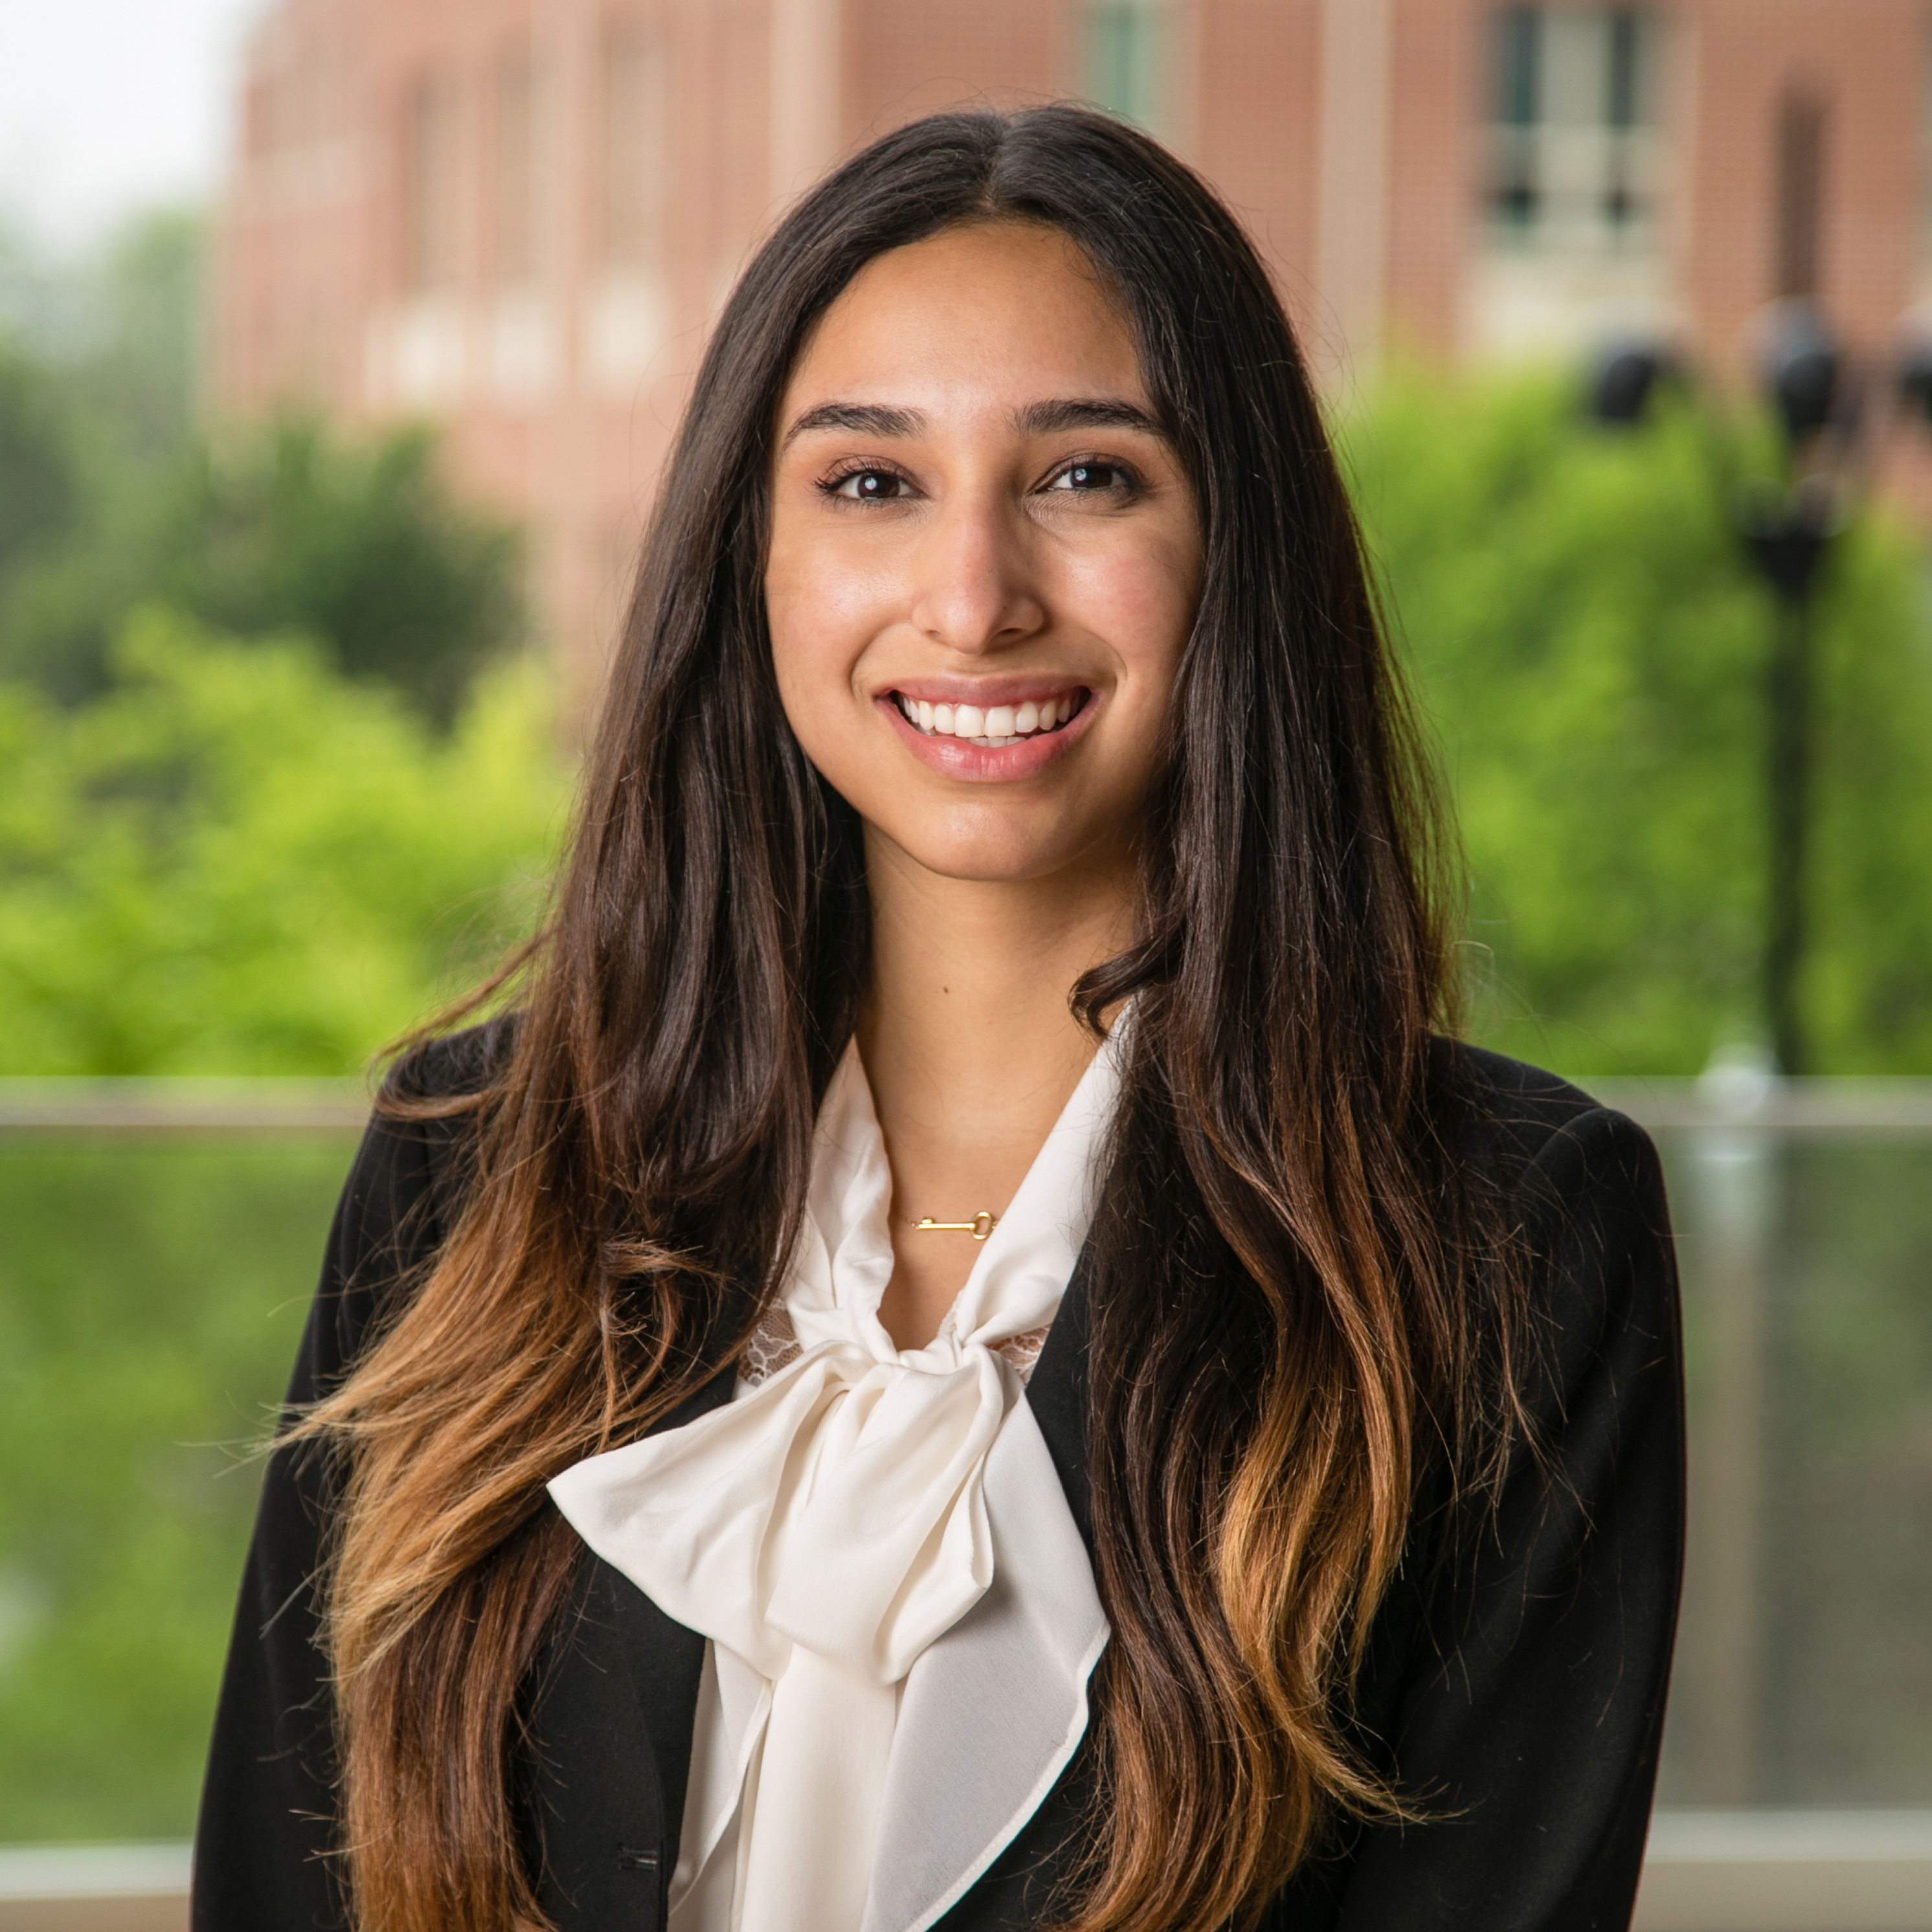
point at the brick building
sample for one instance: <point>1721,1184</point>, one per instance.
<point>518,216</point>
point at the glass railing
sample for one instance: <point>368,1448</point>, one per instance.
<point>158,1246</point>
<point>1796,1786</point>
<point>1803,1674</point>
<point>158,1242</point>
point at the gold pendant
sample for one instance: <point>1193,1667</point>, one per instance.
<point>982,1225</point>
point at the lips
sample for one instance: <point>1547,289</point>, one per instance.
<point>992,726</point>
<point>951,725</point>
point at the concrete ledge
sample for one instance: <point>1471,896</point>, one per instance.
<point>1809,1109</point>
<point>1787,1871</point>
<point>1706,1871</point>
<point>93,1889</point>
<point>170,1107</point>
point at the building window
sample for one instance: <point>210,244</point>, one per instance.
<point>635,110</point>
<point>1925,176</point>
<point>516,169</point>
<point>1574,127</point>
<point>431,186</point>
<point>1127,58</point>
<point>1801,122</point>
<point>519,172</point>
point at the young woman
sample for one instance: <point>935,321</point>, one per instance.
<point>967,1350</point>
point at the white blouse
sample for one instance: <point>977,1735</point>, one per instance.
<point>902,1613</point>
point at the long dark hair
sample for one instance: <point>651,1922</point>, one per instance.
<point>1291,1310</point>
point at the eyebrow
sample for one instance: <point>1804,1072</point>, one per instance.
<point>1087,412</point>
<point>1047,418</point>
<point>866,419</point>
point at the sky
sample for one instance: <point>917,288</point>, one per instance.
<point>109,106</point>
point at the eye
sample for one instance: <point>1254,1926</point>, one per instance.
<point>868,486</point>
<point>1097,476</point>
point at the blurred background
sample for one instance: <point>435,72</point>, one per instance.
<point>340,345</point>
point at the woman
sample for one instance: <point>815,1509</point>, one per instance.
<point>967,1351</point>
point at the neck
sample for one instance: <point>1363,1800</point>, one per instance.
<point>967,1025</point>
<point>970,1045</point>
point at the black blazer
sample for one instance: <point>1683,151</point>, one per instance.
<point>1518,1689</point>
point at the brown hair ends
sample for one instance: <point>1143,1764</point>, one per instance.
<point>1294,1301</point>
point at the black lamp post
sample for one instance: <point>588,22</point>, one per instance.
<point>1788,522</point>
<point>1788,535</point>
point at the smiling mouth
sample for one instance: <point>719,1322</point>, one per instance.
<point>993,726</point>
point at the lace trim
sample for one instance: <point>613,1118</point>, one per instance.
<point>1023,1351</point>
<point>774,1346</point>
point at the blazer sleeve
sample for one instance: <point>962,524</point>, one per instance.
<point>1526,1716</point>
<point>267,1819</point>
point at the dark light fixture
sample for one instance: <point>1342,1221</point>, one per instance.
<point>1801,369</point>
<point>1914,375</point>
<point>1627,376</point>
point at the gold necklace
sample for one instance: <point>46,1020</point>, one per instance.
<point>982,1225</point>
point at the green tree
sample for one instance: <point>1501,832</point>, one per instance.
<point>1589,639</point>
<point>111,499</point>
<point>100,350</point>
<point>37,481</point>
<point>136,354</point>
<point>359,546</point>
<point>234,861</point>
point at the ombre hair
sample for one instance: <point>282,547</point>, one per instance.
<point>1298,1301</point>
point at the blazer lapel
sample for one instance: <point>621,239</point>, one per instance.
<point>1057,1396</point>
<point>608,1754</point>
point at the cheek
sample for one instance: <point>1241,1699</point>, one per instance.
<point>822,609</point>
<point>1141,600</point>
<point>820,623</point>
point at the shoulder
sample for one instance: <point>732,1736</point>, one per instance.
<point>1540,1138</point>
<point>406,1189</point>
<point>1581,1198</point>
<point>423,1135</point>
<point>453,1065</point>
<point>1582,1192</point>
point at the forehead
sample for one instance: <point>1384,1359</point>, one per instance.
<point>995,312</point>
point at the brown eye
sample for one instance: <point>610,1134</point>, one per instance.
<point>1092,476</point>
<point>870,486</point>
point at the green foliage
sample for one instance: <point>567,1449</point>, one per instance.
<point>138,341</point>
<point>1869,989</point>
<point>37,483</point>
<point>109,499</point>
<point>1589,641</point>
<point>361,547</point>
<point>97,363</point>
<point>358,546</point>
<point>236,862</point>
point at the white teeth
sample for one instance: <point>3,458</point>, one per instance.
<point>993,726</point>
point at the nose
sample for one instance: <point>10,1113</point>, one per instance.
<point>975,590</point>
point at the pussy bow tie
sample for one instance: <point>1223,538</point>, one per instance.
<point>828,1526</point>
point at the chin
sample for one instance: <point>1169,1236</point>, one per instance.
<point>992,855</point>
<point>974,863</point>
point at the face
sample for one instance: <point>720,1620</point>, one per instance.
<point>985,558</point>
